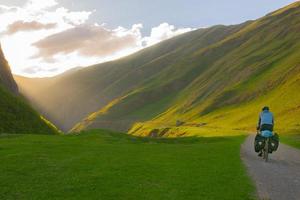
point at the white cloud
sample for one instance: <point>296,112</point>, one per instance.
<point>164,31</point>
<point>89,41</point>
<point>98,41</point>
<point>43,39</point>
<point>4,9</point>
<point>39,69</point>
<point>72,18</point>
<point>38,17</point>
<point>20,26</point>
<point>36,5</point>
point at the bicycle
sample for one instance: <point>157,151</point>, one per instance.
<point>265,150</point>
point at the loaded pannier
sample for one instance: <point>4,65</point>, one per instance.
<point>259,143</point>
<point>274,142</point>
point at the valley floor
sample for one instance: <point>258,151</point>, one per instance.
<point>105,165</point>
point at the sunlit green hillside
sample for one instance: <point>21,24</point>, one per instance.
<point>74,95</point>
<point>229,82</point>
<point>213,79</point>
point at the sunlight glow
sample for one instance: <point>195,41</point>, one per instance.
<point>38,41</point>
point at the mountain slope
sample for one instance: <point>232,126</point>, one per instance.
<point>6,78</point>
<point>226,82</point>
<point>263,69</point>
<point>218,77</point>
<point>16,116</point>
<point>73,96</point>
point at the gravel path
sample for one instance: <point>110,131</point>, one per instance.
<point>278,179</point>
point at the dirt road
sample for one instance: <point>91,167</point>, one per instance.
<point>278,179</point>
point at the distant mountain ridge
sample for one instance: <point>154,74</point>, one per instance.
<point>218,77</point>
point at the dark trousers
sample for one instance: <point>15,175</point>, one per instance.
<point>265,127</point>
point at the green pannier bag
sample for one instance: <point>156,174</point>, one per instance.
<point>259,143</point>
<point>274,142</point>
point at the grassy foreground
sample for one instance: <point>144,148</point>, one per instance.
<point>104,165</point>
<point>291,139</point>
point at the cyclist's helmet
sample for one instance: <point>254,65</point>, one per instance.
<point>266,108</point>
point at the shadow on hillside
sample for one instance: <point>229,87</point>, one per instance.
<point>117,137</point>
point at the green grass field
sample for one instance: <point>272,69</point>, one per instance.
<point>293,140</point>
<point>106,165</point>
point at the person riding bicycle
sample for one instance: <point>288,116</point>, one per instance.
<point>265,121</point>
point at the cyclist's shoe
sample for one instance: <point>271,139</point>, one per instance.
<point>260,154</point>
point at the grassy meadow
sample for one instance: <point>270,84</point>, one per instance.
<point>106,165</point>
<point>291,139</point>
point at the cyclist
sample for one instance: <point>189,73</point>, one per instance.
<point>265,121</point>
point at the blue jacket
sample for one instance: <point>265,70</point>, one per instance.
<point>266,117</point>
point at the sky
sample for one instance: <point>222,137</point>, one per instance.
<point>47,37</point>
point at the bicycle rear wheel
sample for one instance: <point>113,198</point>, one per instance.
<point>266,150</point>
